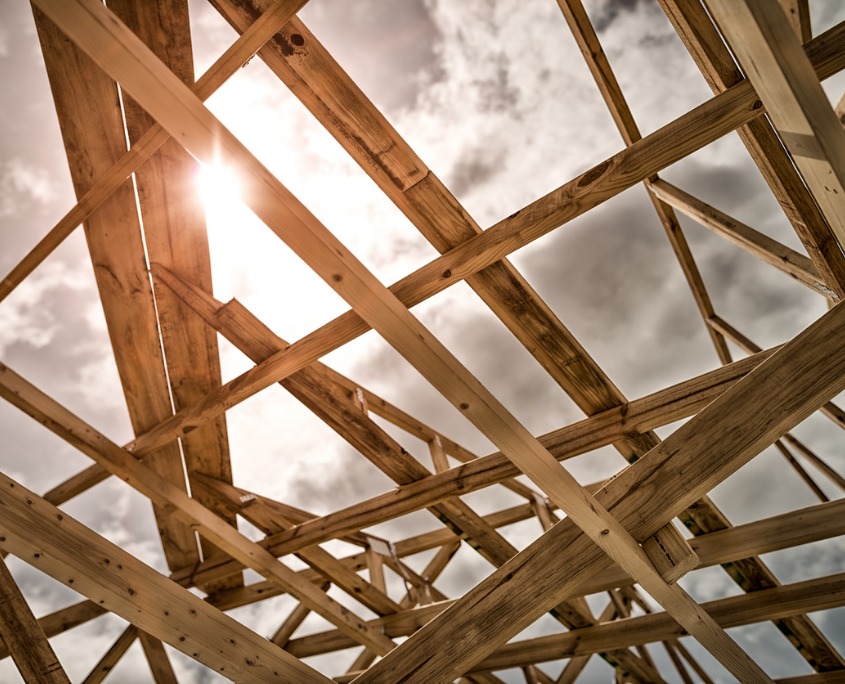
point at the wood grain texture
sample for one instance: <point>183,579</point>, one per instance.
<point>23,636</point>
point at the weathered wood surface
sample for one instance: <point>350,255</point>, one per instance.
<point>92,129</point>
<point>731,430</point>
<point>58,545</point>
<point>21,633</point>
<point>163,493</point>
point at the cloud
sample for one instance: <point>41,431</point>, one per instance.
<point>20,183</point>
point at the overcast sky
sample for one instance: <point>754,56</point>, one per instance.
<point>496,100</point>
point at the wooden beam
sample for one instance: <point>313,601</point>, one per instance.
<point>332,97</point>
<point>780,532</point>
<point>111,657</point>
<point>588,42</point>
<point>730,431</point>
<point>711,120</point>
<point>20,632</point>
<point>798,13</point>
<point>63,548</point>
<point>160,667</point>
<point>163,493</point>
<point>92,130</point>
<point>175,234</point>
<point>316,390</point>
<point>255,511</point>
<point>661,408</point>
<point>716,63</point>
<point>109,181</point>
<point>752,241</point>
<point>801,597</point>
<point>774,60</point>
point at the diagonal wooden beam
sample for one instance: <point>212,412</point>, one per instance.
<point>20,632</point>
<point>767,48</point>
<point>119,52</point>
<point>160,667</point>
<point>730,431</point>
<point>90,119</point>
<point>659,149</point>
<point>270,522</point>
<point>659,409</point>
<point>775,254</point>
<point>111,657</point>
<point>175,233</point>
<point>338,104</point>
<point>163,493</point>
<point>779,532</point>
<point>63,548</point>
<point>109,181</point>
<point>705,45</point>
<point>823,593</point>
<point>591,49</point>
<point>316,390</point>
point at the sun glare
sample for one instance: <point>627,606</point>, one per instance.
<point>220,191</point>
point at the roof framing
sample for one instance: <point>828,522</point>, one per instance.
<point>134,129</point>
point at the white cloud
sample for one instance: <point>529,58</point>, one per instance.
<point>22,182</point>
<point>23,318</point>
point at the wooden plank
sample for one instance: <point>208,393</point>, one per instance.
<point>92,129</point>
<point>316,391</point>
<point>829,409</point>
<point>22,635</point>
<point>661,408</point>
<point>730,431</point>
<point>270,522</point>
<point>63,548</point>
<point>798,13</point>
<point>660,147</point>
<point>774,60</point>
<point>752,241</point>
<point>716,63</point>
<point>334,99</point>
<point>160,667</point>
<point>810,595</point>
<point>112,657</point>
<point>109,181</point>
<point>590,47</point>
<point>163,493</point>
<point>780,532</point>
<point>64,619</point>
<point>769,604</point>
<point>174,106</point>
<point>175,234</point>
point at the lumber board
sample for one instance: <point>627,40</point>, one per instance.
<point>76,432</point>
<point>92,130</point>
<point>775,63</point>
<point>316,391</point>
<point>112,657</point>
<point>716,63</point>
<point>109,181</point>
<point>794,264</point>
<point>822,593</point>
<point>175,234</point>
<point>21,633</point>
<point>590,47</point>
<point>788,530</point>
<point>731,430</point>
<point>57,544</point>
<point>710,121</point>
<point>160,667</point>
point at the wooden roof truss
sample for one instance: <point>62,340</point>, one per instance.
<point>617,537</point>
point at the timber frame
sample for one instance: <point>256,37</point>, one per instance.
<point>619,540</point>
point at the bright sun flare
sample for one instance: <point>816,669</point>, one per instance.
<point>219,189</point>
